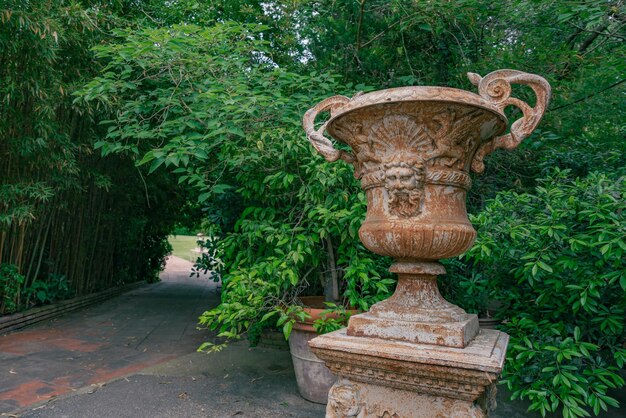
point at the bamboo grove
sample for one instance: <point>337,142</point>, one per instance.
<point>71,222</point>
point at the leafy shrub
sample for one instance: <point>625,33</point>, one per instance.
<point>210,261</point>
<point>465,285</point>
<point>304,230</point>
<point>10,285</point>
<point>333,318</point>
<point>48,291</point>
<point>155,251</point>
<point>555,260</point>
<point>292,219</point>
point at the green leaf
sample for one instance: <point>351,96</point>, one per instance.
<point>425,26</point>
<point>155,164</point>
<point>287,329</point>
<point>147,158</point>
<point>236,131</point>
<point>268,316</point>
<point>545,267</point>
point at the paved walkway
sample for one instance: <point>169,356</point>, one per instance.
<point>134,356</point>
<point>147,326</point>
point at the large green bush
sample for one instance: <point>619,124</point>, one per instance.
<point>554,262</point>
<point>227,122</point>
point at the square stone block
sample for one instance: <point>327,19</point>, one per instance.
<point>450,334</point>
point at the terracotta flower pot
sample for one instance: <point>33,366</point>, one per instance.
<point>314,379</point>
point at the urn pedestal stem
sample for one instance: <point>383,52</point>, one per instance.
<point>416,313</point>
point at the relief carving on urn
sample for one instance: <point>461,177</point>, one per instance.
<point>412,149</point>
<point>404,186</point>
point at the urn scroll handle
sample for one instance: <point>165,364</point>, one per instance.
<point>322,144</point>
<point>496,88</point>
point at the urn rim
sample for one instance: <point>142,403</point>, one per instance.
<point>423,94</point>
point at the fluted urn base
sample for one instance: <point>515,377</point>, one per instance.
<point>416,313</point>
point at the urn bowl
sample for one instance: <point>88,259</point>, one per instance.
<point>413,150</point>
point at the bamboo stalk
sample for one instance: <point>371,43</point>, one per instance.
<point>43,248</point>
<point>3,237</point>
<point>33,257</point>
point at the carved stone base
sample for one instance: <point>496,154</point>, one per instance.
<point>347,400</point>
<point>385,379</point>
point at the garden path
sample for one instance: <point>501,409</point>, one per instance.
<point>147,326</point>
<point>134,356</point>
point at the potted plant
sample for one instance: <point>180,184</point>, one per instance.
<point>304,323</point>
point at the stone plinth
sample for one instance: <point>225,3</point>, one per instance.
<point>380,378</point>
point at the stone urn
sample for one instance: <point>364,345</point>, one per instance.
<point>413,149</point>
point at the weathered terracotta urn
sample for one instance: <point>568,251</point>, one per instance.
<point>413,149</point>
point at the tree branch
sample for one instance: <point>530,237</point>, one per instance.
<point>592,37</point>
<point>608,35</point>
<point>360,26</point>
<point>589,96</point>
<point>397,22</point>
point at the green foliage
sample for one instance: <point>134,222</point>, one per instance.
<point>10,284</point>
<point>18,201</point>
<point>210,261</point>
<point>555,260</point>
<point>466,285</point>
<point>213,95</point>
<point>64,210</point>
<point>43,292</point>
<point>157,249</point>
<point>333,318</point>
<point>306,224</point>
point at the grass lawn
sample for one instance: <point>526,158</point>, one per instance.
<point>182,246</point>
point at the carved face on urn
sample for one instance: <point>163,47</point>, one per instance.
<point>404,182</point>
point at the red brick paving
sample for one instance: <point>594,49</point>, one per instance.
<point>34,341</point>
